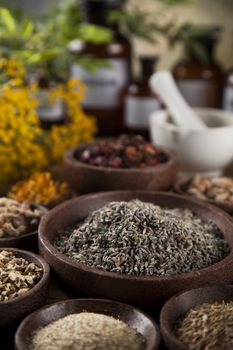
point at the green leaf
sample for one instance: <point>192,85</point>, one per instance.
<point>27,29</point>
<point>94,34</point>
<point>7,19</point>
<point>138,23</point>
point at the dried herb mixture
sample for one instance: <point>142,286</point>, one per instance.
<point>87,331</point>
<point>219,189</point>
<point>124,152</point>
<point>40,188</point>
<point>17,275</point>
<point>18,218</point>
<point>207,327</point>
<point>137,238</point>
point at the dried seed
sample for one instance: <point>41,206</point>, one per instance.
<point>143,239</point>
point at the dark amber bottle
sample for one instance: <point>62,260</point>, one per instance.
<point>105,86</point>
<point>228,92</point>
<point>201,81</point>
<point>140,101</point>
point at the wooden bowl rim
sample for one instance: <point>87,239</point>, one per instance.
<point>165,324</point>
<point>62,258</point>
<point>70,159</point>
<point>61,304</point>
<point>40,284</point>
<point>223,205</point>
<point>26,235</point>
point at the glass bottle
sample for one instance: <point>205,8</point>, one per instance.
<point>228,92</point>
<point>49,113</point>
<point>140,101</point>
<point>201,82</point>
<point>104,87</point>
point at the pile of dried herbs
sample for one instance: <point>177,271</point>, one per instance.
<point>137,238</point>
<point>17,275</point>
<point>18,218</point>
<point>87,331</point>
<point>126,151</point>
<point>207,326</point>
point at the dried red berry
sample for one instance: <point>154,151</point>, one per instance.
<point>124,152</point>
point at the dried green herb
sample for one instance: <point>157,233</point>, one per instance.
<point>137,238</point>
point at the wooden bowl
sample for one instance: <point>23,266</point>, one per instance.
<point>182,303</point>
<point>29,241</point>
<point>134,318</point>
<point>181,188</point>
<point>19,307</point>
<point>84,178</point>
<point>55,202</point>
<point>144,291</point>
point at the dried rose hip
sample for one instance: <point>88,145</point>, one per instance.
<point>124,152</point>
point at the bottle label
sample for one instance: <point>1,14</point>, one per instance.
<point>104,85</point>
<point>49,112</point>
<point>199,93</point>
<point>228,99</point>
<point>138,110</point>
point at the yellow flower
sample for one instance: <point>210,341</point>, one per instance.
<point>24,146</point>
<point>40,188</point>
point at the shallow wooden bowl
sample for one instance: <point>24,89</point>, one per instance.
<point>182,303</point>
<point>84,178</point>
<point>135,318</point>
<point>181,188</point>
<point>19,307</point>
<point>29,241</point>
<point>144,291</point>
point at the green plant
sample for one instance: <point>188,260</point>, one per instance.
<point>14,33</point>
<point>142,24</point>
<point>42,43</point>
<point>191,38</point>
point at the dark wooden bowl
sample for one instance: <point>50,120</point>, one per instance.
<point>144,291</point>
<point>19,307</point>
<point>181,188</point>
<point>52,204</point>
<point>182,303</point>
<point>84,178</point>
<point>135,318</point>
<point>29,241</point>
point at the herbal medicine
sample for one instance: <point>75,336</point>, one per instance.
<point>87,330</point>
<point>137,238</point>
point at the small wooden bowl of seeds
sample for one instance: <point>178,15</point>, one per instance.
<point>215,190</point>
<point>200,318</point>
<point>24,282</point>
<point>125,163</point>
<point>19,223</point>
<point>137,247</point>
<point>93,323</point>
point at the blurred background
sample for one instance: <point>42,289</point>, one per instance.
<point>83,67</point>
<point>212,12</point>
